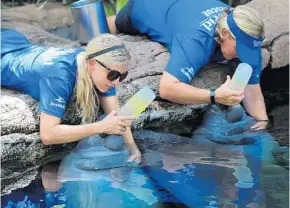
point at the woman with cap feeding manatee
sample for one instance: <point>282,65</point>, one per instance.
<point>195,34</point>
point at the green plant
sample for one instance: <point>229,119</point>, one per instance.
<point>120,4</point>
<point>113,6</point>
<point>110,8</point>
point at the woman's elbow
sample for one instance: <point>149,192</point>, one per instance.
<point>164,91</point>
<point>167,86</point>
<point>46,138</point>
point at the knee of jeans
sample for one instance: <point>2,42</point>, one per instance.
<point>114,142</point>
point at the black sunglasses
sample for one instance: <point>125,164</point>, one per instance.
<point>113,74</point>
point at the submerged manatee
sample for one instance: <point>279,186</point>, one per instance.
<point>208,169</point>
<point>227,125</point>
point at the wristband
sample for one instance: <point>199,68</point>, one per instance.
<point>212,99</point>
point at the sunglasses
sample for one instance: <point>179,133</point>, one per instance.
<point>113,74</point>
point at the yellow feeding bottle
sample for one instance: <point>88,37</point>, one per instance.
<point>138,102</point>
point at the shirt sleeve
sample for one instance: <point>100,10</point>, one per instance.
<point>255,77</point>
<point>109,93</point>
<point>54,94</point>
<point>188,55</point>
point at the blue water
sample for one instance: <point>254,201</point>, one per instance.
<point>200,173</point>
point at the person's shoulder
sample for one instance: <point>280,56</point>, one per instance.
<point>61,71</point>
<point>197,47</point>
<point>197,38</point>
<point>62,60</point>
<point>61,53</point>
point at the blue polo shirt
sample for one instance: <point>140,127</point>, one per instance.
<point>48,74</point>
<point>187,28</point>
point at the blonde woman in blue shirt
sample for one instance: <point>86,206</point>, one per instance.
<point>56,76</point>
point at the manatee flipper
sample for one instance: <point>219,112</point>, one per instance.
<point>112,160</point>
<point>119,159</point>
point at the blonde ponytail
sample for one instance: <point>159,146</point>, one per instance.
<point>86,97</point>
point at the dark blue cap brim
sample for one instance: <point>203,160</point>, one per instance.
<point>252,56</point>
<point>248,47</point>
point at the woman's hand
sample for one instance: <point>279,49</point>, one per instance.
<point>135,155</point>
<point>114,124</point>
<point>226,96</point>
<point>259,125</point>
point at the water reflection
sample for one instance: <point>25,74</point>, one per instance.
<point>200,174</point>
<point>214,168</point>
<point>208,174</point>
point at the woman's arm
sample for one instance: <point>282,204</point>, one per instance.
<point>52,132</point>
<point>110,104</point>
<point>255,105</point>
<point>174,90</point>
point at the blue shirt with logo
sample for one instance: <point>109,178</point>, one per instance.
<point>187,29</point>
<point>48,74</point>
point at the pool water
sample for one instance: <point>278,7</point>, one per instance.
<point>199,173</point>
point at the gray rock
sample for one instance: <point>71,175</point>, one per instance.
<point>275,16</point>
<point>18,112</point>
<point>21,154</point>
<point>280,51</point>
<point>17,180</point>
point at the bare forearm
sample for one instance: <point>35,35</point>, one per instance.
<point>60,134</point>
<point>254,103</point>
<point>256,108</point>
<point>186,94</point>
<point>129,139</point>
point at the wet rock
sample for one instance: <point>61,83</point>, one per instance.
<point>21,154</point>
<point>17,180</point>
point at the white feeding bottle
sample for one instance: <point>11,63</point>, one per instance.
<point>241,77</point>
<point>138,102</point>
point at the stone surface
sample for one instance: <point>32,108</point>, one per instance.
<point>17,180</point>
<point>21,144</point>
<point>22,154</point>
<point>275,16</point>
<point>280,51</point>
<point>35,23</point>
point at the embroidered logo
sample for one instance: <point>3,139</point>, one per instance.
<point>60,100</point>
<point>188,72</point>
<point>59,103</point>
<point>257,43</point>
<point>211,16</point>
